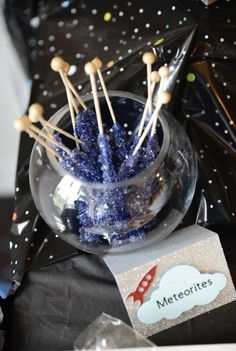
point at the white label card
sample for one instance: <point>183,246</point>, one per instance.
<point>167,283</point>
<point>180,289</point>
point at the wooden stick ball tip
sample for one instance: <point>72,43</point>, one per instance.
<point>149,58</point>
<point>66,67</point>
<point>165,97</point>
<point>164,71</point>
<point>97,62</point>
<point>57,64</point>
<point>90,68</point>
<point>155,77</point>
<point>35,112</point>
<point>21,123</point>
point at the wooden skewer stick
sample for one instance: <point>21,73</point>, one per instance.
<point>36,115</point>
<point>72,112</point>
<point>149,58</point>
<point>22,125</point>
<point>57,65</point>
<point>67,83</point>
<point>90,69</point>
<point>98,64</point>
<point>48,137</point>
<point>61,131</point>
<point>63,74</point>
<point>71,98</point>
<point>163,73</point>
<point>155,78</point>
<point>164,98</point>
<point>71,86</point>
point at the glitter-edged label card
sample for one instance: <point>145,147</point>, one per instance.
<point>168,283</point>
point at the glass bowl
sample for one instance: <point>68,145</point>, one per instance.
<point>125,215</point>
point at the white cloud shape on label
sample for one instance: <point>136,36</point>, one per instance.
<point>180,289</point>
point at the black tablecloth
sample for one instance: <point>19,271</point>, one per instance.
<point>55,302</point>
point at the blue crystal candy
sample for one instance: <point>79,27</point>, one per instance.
<point>109,174</point>
<point>111,207</point>
<point>104,160</point>
<point>152,149</point>
<point>82,214</point>
<point>60,151</point>
<point>132,236</point>
<point>86,130</point>
<point>91,167</point>
<point>119,140</point>
<point>90,238</point>
<point>79,165</point>
<point>128,167</point>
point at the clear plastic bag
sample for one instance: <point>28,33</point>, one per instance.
<point>107,333</point>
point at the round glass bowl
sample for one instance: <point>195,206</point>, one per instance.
<point>121,216</point>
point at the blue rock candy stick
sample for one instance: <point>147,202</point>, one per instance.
<point>86,126</point>
<point>120,142</point>
<point>108,215</point>
<point>82,214</point>
<point>128,167</point>
<point>150,152</point>
<point>90,238</point>
<point>134,164</point>
<point>90,174</point>
<point>91,167</point>
<point>133,144</point>
<point>111,207</point>
<point>87,130</point>
<point>152,149</point>
<point>81,166</point>
<point>133,236</point>
<point>108,170</point>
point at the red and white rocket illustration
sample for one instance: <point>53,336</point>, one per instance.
<point>143,286</point>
